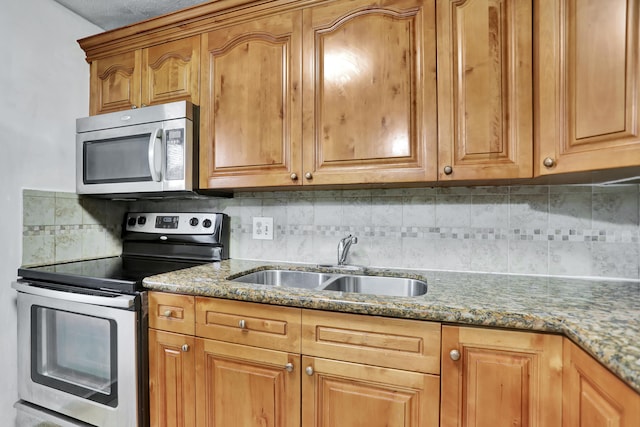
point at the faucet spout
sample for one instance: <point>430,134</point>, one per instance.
<point>343,248</point>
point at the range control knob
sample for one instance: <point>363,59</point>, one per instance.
<point>131,222</point>
<point>206,223</point>
<point>142,220</point>
<point>194,221</point>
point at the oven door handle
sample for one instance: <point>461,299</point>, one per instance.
<point>119,301</point>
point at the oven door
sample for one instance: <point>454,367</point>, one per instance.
<point>78,354</point>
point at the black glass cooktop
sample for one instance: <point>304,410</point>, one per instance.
<point>119,274</point>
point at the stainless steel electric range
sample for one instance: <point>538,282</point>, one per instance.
<point>82,326</point>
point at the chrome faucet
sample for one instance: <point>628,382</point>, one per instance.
<point>343,248</point>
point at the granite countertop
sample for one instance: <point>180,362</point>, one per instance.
<point>600,316</point>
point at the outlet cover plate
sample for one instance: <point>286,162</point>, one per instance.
<point>263,228</point>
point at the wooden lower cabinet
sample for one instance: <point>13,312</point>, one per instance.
<point>593,396</point>
<point>341,394</point>
<point>172,373</point>
<point>245,386</point>
<point>495,378</point>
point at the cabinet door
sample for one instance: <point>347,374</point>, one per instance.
<point>338,394</point>
<point>594,397</point>
<point>500,378</point>
<point>369,92</point>
<point>171,378</point>
<point>115,83</point>
<point>485,116</point>
<point>170,72</point>
<point>246,386</point>
<point>588,79</point>
<point>251,107</point>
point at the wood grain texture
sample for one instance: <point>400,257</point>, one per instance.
<point>172,374</point>
<point>485,89</point>
<point>251,113</point>
<point>172,312</point>
<point>340,394</point>
<point>588,79</point>
<point>592,396</point>
<point>394,343</point>
<point>266,326</point>
<point>115,83</point>
<point>171,72</point>
<point>245,386</point>
<point>369,92</point>
<point>502,378</point>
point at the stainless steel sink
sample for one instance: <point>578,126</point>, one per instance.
<point>361,284</point>
<point>378,285</point>
<point>286,278</point>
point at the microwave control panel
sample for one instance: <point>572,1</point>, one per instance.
<point>175,154</point>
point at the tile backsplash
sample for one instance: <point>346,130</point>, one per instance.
<point>589,231</point>
<point>59,227</point>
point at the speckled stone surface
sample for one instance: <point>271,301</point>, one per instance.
<point>601,317</point>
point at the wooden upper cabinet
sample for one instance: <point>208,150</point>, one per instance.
<point>588,80</point>
<point>500,378</point>
<point>369,92</point>
<point>593,396</point>
<point>115,83</point>
<point>485,89</point>
<point>163,73</point>
<point>251,108</point>
<point>170,72</point>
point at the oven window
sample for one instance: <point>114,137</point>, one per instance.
<point>123,159</point>
<point>75,353</point>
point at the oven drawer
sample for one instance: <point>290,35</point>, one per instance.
<point>412,345</point>
<point>172,312</point>
<point>253,324</point>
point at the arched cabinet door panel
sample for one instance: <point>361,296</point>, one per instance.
<point>251,107</point>
<point>369,92</point>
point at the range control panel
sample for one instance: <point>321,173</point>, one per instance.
<point>171,223</point>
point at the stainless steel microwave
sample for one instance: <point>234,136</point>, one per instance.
<point>139,153</point>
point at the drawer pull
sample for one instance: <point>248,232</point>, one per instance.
<point>242,324</point>
<point>454,355</point>
<point>185,347</point>
<point>309,370</point>
<point>288,367</point>
<point>167,313</point>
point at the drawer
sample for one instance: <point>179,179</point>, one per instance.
<point>258,325</point>
<point>411,345</point>
<point>172,312</point>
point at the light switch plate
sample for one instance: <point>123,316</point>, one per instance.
<point>263,228</point>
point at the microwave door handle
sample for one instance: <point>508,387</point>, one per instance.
<point>155,155</point>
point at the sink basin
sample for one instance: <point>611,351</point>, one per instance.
<point>362,284</point>
<point>378,285</point>
<point>286,278</point>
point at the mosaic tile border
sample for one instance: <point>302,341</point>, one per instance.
<point>454,233</point>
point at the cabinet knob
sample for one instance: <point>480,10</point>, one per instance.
<point>134,106</point>
<point>294,177</point>
<point>548,162</point>
<point>143,105</point>
<point>242,324</point>
<point>309,370</point>
<point>308,175</point>
<point>167,313</point>
<point>454,355</point>
<point>185,347</point>
<point>448,170</point>
<point>288,367</point>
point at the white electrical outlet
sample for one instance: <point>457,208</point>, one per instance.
<point>263,228</point>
